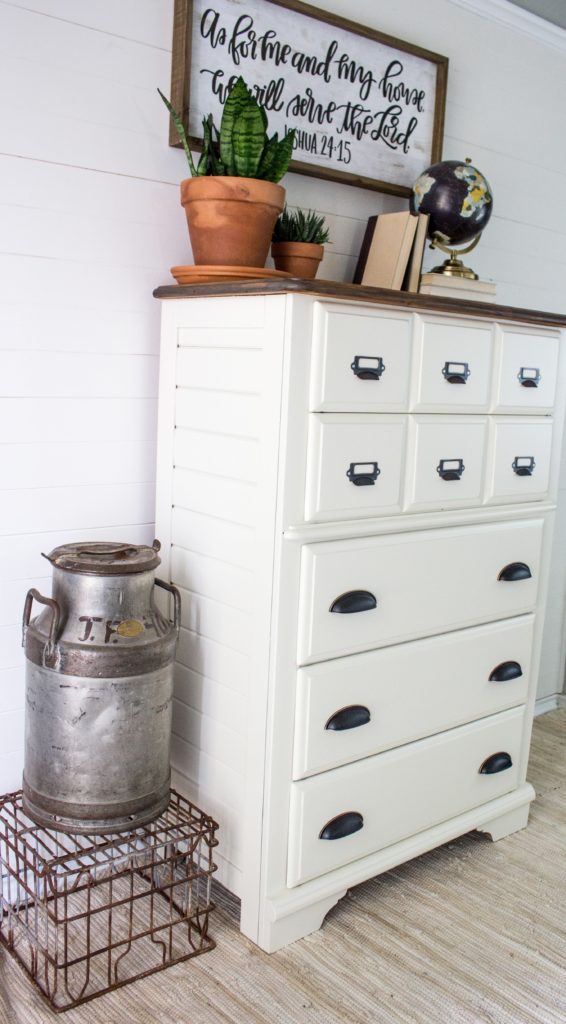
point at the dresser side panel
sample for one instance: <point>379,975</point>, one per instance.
<point>218,462</point>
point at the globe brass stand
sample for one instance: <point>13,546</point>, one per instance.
<point>453,267</point>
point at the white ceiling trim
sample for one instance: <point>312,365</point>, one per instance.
<point>510,15</point>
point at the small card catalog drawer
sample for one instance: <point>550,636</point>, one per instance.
<point>527,371</point>
<point>360,360</point>
<point>352,707</point>
<point>453,367</point>
<point>342,815</point>
<point>519,459</point>
<point>354,466</point>
<point>446,465</point>
<point>369,592</point>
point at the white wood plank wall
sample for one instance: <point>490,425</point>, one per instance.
<point>90,224</point>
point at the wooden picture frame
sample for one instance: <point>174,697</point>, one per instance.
<point>368,108</point>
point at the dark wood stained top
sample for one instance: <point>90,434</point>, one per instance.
<point>361,293</point>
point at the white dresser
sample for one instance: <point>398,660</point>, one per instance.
<point>355,495</point>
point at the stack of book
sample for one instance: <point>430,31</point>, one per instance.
<point>392,251</point>
<point>458,287</point>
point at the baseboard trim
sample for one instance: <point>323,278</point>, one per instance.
<point>561,700</point>
<point>544,704</point>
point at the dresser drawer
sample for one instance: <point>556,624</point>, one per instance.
<point>369,592</point>
<point>355,465</point>
<point>398,793</point>
<point>453,367</point>
<point>519,459</point>
<point>528,365</point>
<point>360,360</point>
<point>446,462</point>
<point>352,707</point>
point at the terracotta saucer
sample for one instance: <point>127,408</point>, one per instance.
<point>202,274</point>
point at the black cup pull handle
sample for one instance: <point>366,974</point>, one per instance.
<point>515,571</point>
<point>342,825</point>
<point>456,373</point>
<point>354,601</point>
<point>363,474</point>
<point>506,671</point>
<point>499,762</point>
<point>450,469</point>
<point>529,376</point>
<point>348,718</point>
<point>523,465</point>
<point>368,367</point>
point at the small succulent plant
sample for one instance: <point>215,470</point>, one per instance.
<point>241,148</point>
<point>300,226</point>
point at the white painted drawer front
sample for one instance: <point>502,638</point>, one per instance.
<point>519,462</point>
<point>446,466</point>
<point>354,465</point>
<point>424,582</point>
<point>454,367</point>
<point>352,707</point>
<point>399,793</point>
<point>527,373</point>
<point>360,360</point>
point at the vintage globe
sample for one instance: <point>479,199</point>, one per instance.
<point>456,197</point>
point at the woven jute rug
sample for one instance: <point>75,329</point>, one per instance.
<point>472,932</point>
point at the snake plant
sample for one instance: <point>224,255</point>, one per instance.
<point>241,148</point>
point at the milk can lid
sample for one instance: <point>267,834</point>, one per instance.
<point>105,559</point>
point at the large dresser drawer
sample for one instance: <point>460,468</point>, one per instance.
<point>353,707</point>
<point>394,795</point>
<point>369,592</point>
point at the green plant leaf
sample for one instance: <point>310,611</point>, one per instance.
<point>248,139</point>
<point>238,99</point>
<point>177,121</point>
<point>268,157</point>
<point>298,226</point>
<point>280,158</point>
<point>210,162</point>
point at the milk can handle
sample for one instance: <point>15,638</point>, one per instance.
<point>34,595</point>
<point>177,601</point>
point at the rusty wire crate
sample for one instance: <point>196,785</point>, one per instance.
<point>86,914</point>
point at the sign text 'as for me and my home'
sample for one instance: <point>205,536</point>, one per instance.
<point>367,109</point>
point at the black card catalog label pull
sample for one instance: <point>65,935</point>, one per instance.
<point>368,367</point>
<point>456,373</point>
<point>450,469</point>
<point>523,465</point>
<point>529,376</point>
<point>363,474</point>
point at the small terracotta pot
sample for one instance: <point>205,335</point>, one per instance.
<point>231,220</point>
<point>301,259</point>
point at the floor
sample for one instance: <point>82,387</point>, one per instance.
<point>472,932</point>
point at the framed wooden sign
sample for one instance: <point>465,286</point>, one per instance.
<point>368,109</point>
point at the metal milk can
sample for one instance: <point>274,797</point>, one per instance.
<point>99,681</point>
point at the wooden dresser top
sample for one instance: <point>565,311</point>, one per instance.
<point>360,293</point>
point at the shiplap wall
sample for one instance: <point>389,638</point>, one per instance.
<point>91,222</point>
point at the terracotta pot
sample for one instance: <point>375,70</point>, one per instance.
<point>231,220</point>
<point>301,259</point>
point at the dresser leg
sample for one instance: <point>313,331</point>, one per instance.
<point>506,824</point>
<point>275,935</point>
